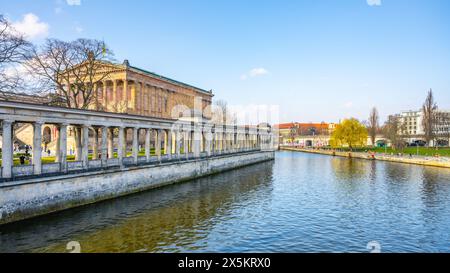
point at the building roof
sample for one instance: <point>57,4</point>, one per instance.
<point>302,125</point>
<point>284,125</point>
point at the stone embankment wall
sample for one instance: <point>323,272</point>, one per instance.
<point>29,198</point>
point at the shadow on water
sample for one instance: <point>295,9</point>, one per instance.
<point>299,203</point>
<point>170,218</point>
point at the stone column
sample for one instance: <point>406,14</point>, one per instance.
<point>169,143</point>
<point>158,143</point>
<point>95,89</point>
<point>57,144</point>
<point>37,147</point>
<point>85,146</point>
<point>77,135</point>
<point>191,142</point>
<point>178,143</point>
<point>216,143</point>
<point>208,138</point>
<point>165,137</point>
<point>111,143</point>
<point>7,151</point>
<point>114,93</point>
<point>95,145</point>
<point>104,146</point>
<point>257,140</point>
<point>186,143</point>
<point>220,139</point>
<point>133,96</point>
<point>225,142</point>
<point>62,140</point>
<point>148,133</point>
<point>247,141</point>
<point>125,93</point>
<point>196,138</point>
<point>213,143</point>
<point>105,96</point>
<point>120,146</point>
<point>135,148</point>
<point>239,141</point>
<point>265,141</point>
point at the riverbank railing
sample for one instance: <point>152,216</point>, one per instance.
<point>106,140</point>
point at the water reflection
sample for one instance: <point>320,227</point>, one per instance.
<point>167,219</point>
<point>349,169</point>
<point>299,203</point>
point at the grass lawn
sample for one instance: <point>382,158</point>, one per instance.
<point>51,159</point>
<point>424,151</point>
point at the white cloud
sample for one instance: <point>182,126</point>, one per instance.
<point>58,10</point>
<point>255,72</point>
<point>258,72</point>
<point>374,2</point>
<point>73,2</point>
<point>79,29</point>
<point>31,27</point>
<point>348,104</point>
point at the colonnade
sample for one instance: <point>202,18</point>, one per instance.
<point>102,146</point>
<point>125,95</point>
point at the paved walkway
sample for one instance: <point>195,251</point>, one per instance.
<point>443,162</point>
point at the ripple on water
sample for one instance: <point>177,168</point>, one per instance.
<point>299,203</point>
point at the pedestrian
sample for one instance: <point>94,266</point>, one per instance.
<point>22,160</point>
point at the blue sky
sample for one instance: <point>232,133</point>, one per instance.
<point>319,60</point>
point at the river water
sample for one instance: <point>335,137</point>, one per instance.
<point>297,203</point>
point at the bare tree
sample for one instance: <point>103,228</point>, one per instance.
<point>83,63</point>
<point>373,125</point>
<point>429,112</point>
<point>222,114</point>
<point>394,130</point>
<point>73,70</point>
<point>93,58</point>
<point>47,65</point>
<point>14,49</point>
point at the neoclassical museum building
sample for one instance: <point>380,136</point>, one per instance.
<point>125,89</point>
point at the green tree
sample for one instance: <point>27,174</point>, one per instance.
<point>350,132</point>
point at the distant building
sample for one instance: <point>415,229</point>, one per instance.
<point>305,134</point>
<point>413,129</point>
<point>412,121</point>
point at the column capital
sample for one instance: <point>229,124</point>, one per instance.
<point>10,121</point>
